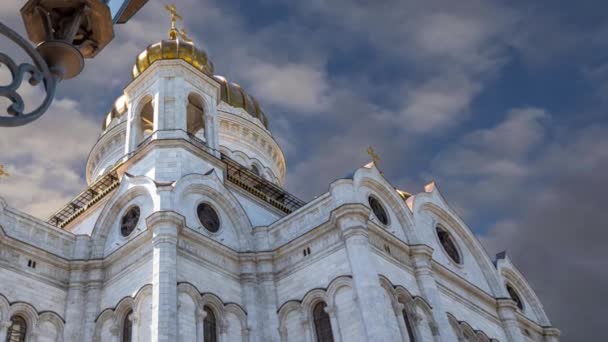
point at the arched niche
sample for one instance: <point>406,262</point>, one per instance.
<point>195,116</point>
<point>145,118</point>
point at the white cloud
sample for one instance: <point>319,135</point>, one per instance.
<point>44,158</point>
<point>441,102</point>
<point>298,87</point>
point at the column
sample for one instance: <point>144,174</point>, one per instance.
<point>506,311</point>
<point>134,317</point>
<point>422,258</point>
<point>4,325</point>
<point>398,308</point>
<point>200,324</point>
<point>335,326</point>
<point>165,227</point>
<point>352,219</point>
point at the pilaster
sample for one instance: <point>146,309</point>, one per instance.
<point>250,298</point>
<point>422,258</point>
<point>165,227</point>
<point>506,308</point>
<point>75,303</point>
<point>267,287</point>
<point>351,219</point>
<point>94,274</point>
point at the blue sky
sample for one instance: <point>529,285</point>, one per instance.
<point>501,102</point>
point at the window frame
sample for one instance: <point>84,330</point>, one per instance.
<point>124,213</point>
<point>371,197</point>
<point>217,213</point>
<point>460,261</point>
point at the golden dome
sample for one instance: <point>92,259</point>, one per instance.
<point>234,95</point>
<point>231,93</point>
<point>173,49</point>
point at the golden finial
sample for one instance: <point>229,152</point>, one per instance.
<point>173,32</point>
<point>375,157</point>
<point>184,36</point>
<point>2,172</point>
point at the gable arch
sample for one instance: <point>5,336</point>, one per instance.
<point>532,305</point>
<point>210,187</point>
<point>130,189</point>
<point>441,211</point>
<point>371,180</point>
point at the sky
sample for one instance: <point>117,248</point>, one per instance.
<point>502,103</point>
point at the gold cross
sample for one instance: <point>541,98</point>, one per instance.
<point>375,157</point>
<point>173,33</point>
<point>2,172</point>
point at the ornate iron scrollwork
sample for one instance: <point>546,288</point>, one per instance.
<point>38,72</point>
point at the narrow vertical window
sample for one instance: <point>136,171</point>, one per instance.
<point>17,330</point>
<point>127,327</point>
<point>209,326</point>
<point>322,323</point>
<point>408,326</point>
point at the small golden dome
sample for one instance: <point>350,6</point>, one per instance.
<point>231,93</point>
<point>173,49</point>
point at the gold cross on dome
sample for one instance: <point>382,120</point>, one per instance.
<point>375,157</point>
<point>173,32</point>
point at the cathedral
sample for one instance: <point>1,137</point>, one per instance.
<point>185,233</point>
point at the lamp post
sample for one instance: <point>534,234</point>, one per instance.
<point>66,32</point>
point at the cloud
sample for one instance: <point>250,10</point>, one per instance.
<point>439,103</point>
<point>558,241</point>
<point>298,87</point>
<point>46,158</point>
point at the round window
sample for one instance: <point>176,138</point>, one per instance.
<point>129,221</point>
<point>378,210</point>
<point>448,244</point>
<point>515,297</point>
<point>208,217</point>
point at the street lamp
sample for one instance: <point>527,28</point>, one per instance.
<point>66,32</point>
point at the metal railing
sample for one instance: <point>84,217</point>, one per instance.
<point>260,187</point>
<point>235,174</point>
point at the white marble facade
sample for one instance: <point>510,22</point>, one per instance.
<point>264,272</point>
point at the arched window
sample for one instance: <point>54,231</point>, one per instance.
<point>127,327</point>
<point>17,330</point>
<point>195,124</point>
<point>408,326</point>
<point>146,120</point>
<point>209,325</point>
<point>515,297</point>
<point>322,323</point>
<point>255,169</point>
<point>448,244</point>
